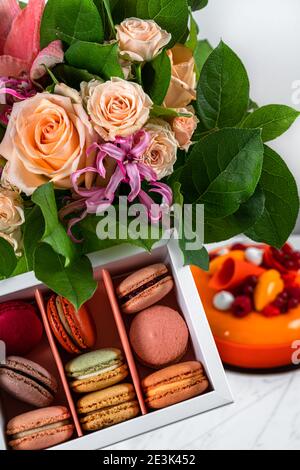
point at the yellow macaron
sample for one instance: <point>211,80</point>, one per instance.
<point>108,407</point>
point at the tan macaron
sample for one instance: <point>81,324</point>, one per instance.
<point>108,407</point>
<point>144,288</point>
<point>175,384</point>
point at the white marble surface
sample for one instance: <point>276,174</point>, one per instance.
<point>265,416</point>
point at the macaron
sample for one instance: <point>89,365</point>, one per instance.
<point>40,429</point>
<point>144,288</point>
<point>174,384</point>
<point>75,331</point>
<point>159,336</point>
<point>27,381</point>
<point>20,327</point>
<point>108,407</point>
<point>96,370</point>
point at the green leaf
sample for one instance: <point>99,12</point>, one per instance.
<point>282,202</point>
<point>55,234</point>
<point>8,259</point>
<point>223,89</point>
<point>217,230</point>
<point>92,243</point>
<point>274,120</point>
<point>99,59</point>
<point>105,10</point>
<point>33,232</point>
<point>73,76</point>
<point>157,77</point>
<point>201,54</point>
<point>71,20</point>
<point>161,111</point>
<point>171,15</point>
<point>193,36</point>
<point>197,4</point>
<point>21,267</point>
<point>74,282</point>
<point>198,258</point>
<point>223,170</point>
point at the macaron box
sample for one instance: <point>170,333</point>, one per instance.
<point>138,356</point>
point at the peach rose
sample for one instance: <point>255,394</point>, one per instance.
<point>183,81</point>
<point>46,140</point>
<point>161,154</point>
<point>116,107</point>
<point>184,128</point>
<point>141,40</point>
<point>11,217</point>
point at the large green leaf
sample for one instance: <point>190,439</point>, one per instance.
<point>217,230</point>
<point>157,77</point>
<point>55,234</point>
<point>171,15</point>
<point>197,4</point>
<point>74,282</point>
<point>201,54</point>
<point>223,89</point>
<point>282,202</point>
<point>92,243</point>
<point>223,170</point>
<point>99,59</point>
<point>73,76</point>
<point>274,120</point>
<point>8,260</point>
<point>33,232</point>
<point>71,20</point>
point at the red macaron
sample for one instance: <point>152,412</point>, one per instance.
<point>74,330</point>
<point>20,327</point>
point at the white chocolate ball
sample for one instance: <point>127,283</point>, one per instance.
<point>223,300</point>
<point>254,255</point>
<point>223,251</point>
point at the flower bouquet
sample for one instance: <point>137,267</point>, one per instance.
<point>106,103</point>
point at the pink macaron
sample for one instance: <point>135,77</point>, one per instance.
<point>40,429</point>
<point>27,381</point>
<point>159,336</point>
<point>20,327</point>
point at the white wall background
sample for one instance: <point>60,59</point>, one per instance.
<point>266,36</point>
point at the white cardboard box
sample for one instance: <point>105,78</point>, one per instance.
<point>120,260</point>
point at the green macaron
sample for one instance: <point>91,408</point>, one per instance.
<point>96,370</point>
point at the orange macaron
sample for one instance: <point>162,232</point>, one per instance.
<point>75,331</point>
<point>175,384</point>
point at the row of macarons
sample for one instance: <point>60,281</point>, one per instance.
<point>109,401</point>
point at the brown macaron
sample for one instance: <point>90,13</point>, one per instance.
<point>74,330</point>
<point>144,288</point>
<point>175,384</point>
<point>27,381</point>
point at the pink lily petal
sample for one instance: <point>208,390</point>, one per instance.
<point>153,210</point>
<point>164,190</point>
<point>72,223</point>
<point>75,177</point>
<point>146,172</point>
<point>134,180</point>
<point>23,40</point>
<point>9,9</point>
<point>114,151</point>
<point>50,56</point>
<point>13,67</point>
<point>114,183</point>
<point>143,140</point>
